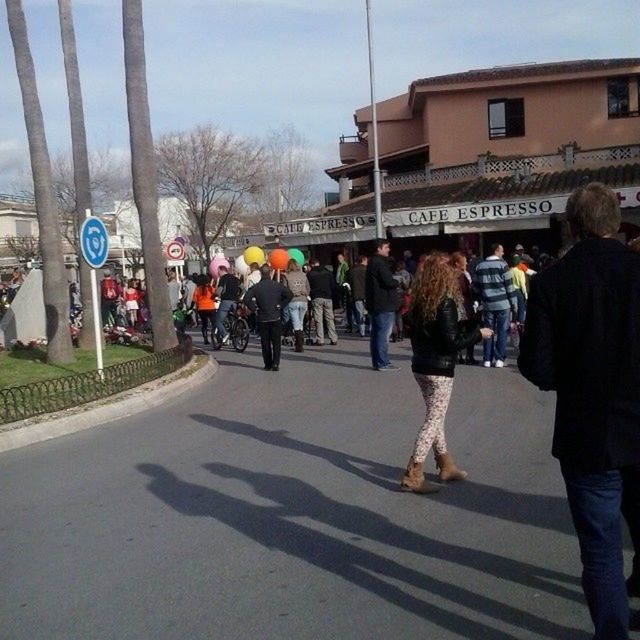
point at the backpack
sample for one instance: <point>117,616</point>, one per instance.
<point>109,291</point>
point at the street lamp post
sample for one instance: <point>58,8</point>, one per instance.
<point>124,276</point>
<point>374,116</point>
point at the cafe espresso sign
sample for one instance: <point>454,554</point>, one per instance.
<point>477,212</point>
<point>505,210</point>
<point>326,224</point>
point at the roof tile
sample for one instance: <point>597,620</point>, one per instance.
<point>485,189</point>
<point>527,71</point>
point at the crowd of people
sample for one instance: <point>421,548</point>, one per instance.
<point>374,295</point>
<point>122,302</point>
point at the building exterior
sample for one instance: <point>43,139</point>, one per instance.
<point>492,154</point>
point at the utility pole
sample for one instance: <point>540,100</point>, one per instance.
<point>374,113</point>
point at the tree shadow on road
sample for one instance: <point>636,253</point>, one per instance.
<point>546,512</point>
<point>270,526</point>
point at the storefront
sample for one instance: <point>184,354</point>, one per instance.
<point>466,226</point>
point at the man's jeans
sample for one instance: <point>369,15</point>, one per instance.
<point>381,326</point>
<point>221,316</point>
<point>596,500</point>
<point>521,313</point>
<point>358,316</point>
<point>496,348</point>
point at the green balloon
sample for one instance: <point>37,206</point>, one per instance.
<point>297,255</point>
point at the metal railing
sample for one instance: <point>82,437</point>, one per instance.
<point>567,158</point>
<point>7,197</point>
<point>356,138</point>
<point>57,394</point>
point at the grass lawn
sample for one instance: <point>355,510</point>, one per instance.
<point>22,367</point>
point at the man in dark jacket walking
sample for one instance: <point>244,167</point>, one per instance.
<point>322,286</point>
<point>357,282</point>
<point>382,302</point>
<point>267,299</point>
<point>582,340</point>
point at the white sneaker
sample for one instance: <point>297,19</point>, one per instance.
<point>225,340</point>
<point>487,364</point>
<point>499,364</point>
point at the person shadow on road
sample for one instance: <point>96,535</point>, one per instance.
<point>271,527</point>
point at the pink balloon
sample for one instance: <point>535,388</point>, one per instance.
<point>215,264</point>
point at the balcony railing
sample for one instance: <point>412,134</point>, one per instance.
<point>6,197</point>
<point>570,157</point>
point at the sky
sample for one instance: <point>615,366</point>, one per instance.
<point>249,66</point>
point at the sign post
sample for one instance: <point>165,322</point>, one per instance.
<point>94,244</point>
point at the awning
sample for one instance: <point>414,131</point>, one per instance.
<point>415,231</point>
<point>321,230</point>
<point>497,225</point>
<point>307,239</point>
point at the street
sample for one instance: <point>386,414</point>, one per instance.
<point>265,505</point>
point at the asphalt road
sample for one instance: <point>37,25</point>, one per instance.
<point>265,506</point>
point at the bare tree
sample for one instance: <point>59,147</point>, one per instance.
<point>135,259</point>
<point>55,288</point>
<point>25,248</point>
<point>110,183</point>
<point>143,166</point>
<point>286,188</point>
<point>210,172</point>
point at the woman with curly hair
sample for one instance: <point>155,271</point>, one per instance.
<point>436,339</point>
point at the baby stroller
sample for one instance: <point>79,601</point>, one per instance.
<point>309,327</point>
<point>287,329</point>
<point>120,319</point>
<point>180,319</point>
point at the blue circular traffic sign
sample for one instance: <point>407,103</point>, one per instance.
<point>94,242</point>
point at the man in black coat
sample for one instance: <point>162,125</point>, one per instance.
<point>382,303</point>
<point>582,339</point>
<point>322,287</point>
<point>267,299</point>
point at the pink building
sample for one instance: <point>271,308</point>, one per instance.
<point>481,145</point>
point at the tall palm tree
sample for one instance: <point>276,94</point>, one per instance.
<point>55,287</point>
<point>81,177</point>
<point>143,167</point>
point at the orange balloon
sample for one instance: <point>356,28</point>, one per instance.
<point>278,259</point>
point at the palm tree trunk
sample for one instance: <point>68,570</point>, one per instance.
<point>145,179</point>
<point>55,286</point>
<point>81,176</point>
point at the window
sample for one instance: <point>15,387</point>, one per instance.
<point>506,118</point>
<point>23,228</point>
<point>618,97</point>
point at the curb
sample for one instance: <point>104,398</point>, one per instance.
<point>122,405</point>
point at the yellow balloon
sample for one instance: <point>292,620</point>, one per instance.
<point>254,254</point>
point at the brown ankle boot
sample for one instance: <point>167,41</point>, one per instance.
<point>299,341</point>
<point>413,479</point>
<point>447,468</point>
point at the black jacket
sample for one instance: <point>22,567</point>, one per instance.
<point>436,343</point>
<point>381,287</point>
<point>582,339</point>
<point>267,298</point>
<point>321,283</point>
<point>357,278</point>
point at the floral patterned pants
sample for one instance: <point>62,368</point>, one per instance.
<point>436,391</point>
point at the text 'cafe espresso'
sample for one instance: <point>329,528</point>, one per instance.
<point>478,211</point>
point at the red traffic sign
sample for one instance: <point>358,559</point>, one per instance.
<point>175,251</point>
